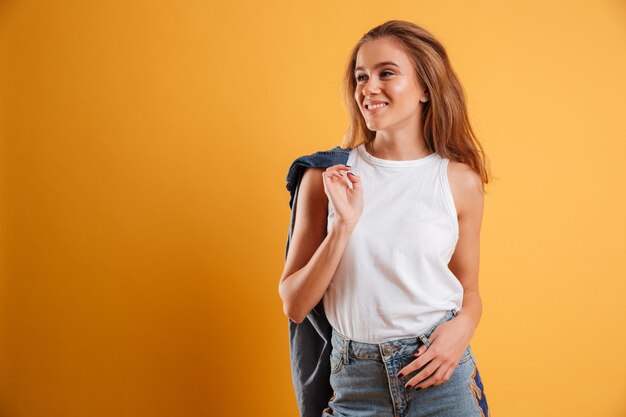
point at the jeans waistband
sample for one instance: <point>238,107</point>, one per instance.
<point>385,351</point>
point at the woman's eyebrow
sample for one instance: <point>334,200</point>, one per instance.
<point>380,64</point>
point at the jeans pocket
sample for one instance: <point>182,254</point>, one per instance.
<point>466,356</point>
<point>336,360</point>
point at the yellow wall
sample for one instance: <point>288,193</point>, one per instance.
<point>144,211</point>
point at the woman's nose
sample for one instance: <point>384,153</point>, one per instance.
<point>370,87</point>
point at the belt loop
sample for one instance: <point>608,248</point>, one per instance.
<point>454,312</point>
<point>346,346</point>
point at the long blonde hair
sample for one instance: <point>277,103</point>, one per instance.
<point>447,129</point>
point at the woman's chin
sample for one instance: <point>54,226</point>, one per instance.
<point>375,125</point>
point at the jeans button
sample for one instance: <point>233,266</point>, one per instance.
<point>387,350</point>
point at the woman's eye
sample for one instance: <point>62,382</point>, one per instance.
<point>358,77</point>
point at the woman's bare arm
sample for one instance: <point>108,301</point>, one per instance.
<point>313,254</point>
<point>468,194</point>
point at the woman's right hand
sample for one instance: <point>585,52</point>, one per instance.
<point>347,202</point>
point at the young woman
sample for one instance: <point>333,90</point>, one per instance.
<point>388,242</point>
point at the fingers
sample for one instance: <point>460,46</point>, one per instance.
<point>355,180</point>
<point>421,350</point>
<point>437,378</point>
<point>419,379</point>
<point>449,373</point>
<point>336,172</point>
<point>339,168</point>
<point>333,175</point>
<point>340,171</point>
<point>417,363</point>
<point>434,369</point>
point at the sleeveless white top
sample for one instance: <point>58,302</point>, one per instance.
<point>393,279</point>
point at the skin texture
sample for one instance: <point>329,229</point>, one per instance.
<point>314,256</point>
<point>398,126</point>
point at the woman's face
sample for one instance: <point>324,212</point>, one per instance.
<point>395,85</point>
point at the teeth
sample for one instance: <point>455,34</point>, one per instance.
<point>375,106</point>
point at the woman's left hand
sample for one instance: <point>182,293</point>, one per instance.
<point>448,343</point>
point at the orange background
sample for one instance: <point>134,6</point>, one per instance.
<point>144,214</point>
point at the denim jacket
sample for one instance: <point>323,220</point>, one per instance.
<point>309,341</point>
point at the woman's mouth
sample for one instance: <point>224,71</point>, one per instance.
<point>375,108</point>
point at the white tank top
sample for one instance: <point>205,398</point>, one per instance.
<point>393,279</point>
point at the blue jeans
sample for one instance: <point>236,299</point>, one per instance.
<point>365,383</point>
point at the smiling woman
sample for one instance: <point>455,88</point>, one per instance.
<point>380,282</point>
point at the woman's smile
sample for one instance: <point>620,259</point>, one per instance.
<point>375,108</point>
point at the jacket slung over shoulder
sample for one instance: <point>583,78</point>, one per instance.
<point>310,341</point>
<point>319,159</point>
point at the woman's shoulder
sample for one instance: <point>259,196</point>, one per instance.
<point>464,175</point>
<point>319,159</point>
<point>322,157</point>
<point>465,183</point>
